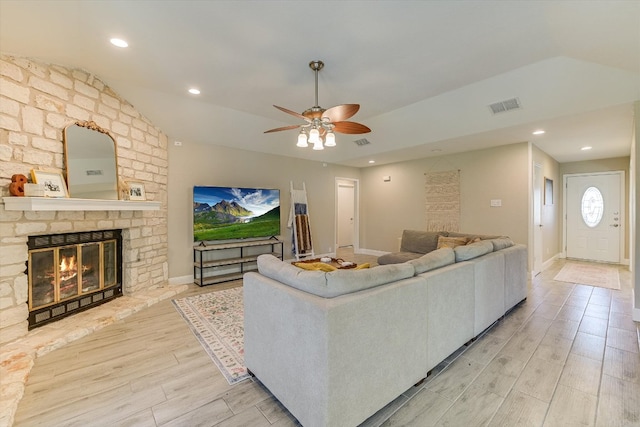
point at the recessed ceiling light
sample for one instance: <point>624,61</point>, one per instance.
<point>372,161</point>
<point>538,132</point>
<point>119,42</point>
<point>586,148</point>
<point>194,91</point>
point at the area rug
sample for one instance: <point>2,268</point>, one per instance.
<point>602,276</point>
<point>217,321</point>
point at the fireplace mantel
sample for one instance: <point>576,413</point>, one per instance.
<point>72,204</point>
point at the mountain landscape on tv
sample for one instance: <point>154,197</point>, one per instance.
<point>237,213</point>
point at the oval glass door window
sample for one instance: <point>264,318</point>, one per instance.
<point>592,206</point>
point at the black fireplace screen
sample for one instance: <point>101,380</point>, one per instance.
<point>72,272</point>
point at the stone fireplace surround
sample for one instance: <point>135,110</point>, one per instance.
<point>37,101</point>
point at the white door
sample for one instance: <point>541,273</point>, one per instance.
<point>345,214</point>
<point>537,219</point>
<point>594,216</point>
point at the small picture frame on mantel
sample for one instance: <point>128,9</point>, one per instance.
<point>53,182</point>
<point>136,191</point>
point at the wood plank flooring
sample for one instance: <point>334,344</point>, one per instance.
<point>567,356</point>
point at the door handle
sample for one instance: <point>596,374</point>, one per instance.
<point>540,225</point>
<point>614,225</point>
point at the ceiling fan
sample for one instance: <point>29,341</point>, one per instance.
<point>320,124</point>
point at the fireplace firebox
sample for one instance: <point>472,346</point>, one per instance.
<point>72,272</point>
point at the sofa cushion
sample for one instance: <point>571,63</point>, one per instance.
<point>432,260</point>
<point>310,281</point>
<point>501,243</point>
<point>398,257</point>
<point>473,250</point>
<point>334,283</point>
<point>451,242</point>
<point>342,282</point>
<point>419,241</point>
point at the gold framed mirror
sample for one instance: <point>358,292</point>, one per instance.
<point>91,162</point>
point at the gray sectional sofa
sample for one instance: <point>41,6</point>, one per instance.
<point>336,347</point>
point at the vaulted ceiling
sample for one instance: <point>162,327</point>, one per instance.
<point>424,72</point>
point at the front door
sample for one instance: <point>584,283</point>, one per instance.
<point>594,216</point>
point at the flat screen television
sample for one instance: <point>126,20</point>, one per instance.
<point>229,213</point>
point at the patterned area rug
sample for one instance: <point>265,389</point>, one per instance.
<point>602,276</point>
<point>217,321</point>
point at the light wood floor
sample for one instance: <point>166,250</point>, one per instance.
<point>567,356</point>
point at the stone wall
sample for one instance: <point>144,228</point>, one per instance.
<point>37,101</point>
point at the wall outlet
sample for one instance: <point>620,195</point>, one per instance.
<point>177,143</point>
<point>330,249</point>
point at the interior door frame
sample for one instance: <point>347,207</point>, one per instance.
<point>622,211</point>
<point>356,213</point>
<point>537,264</point>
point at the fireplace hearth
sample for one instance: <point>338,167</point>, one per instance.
<point>72,272</point>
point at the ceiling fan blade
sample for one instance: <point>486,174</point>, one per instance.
<point>293,113</point>
<point>282,128</point>
<point>341,112</point>
<point>350,127</point>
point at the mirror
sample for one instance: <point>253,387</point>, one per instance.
<point>90,158</point>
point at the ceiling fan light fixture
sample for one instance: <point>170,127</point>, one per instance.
<point>302,140</point>
<point>330,139</point>
<point>314,137</point>
<point>320,123</point>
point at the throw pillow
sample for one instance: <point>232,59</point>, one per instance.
<point>451,242</point>
<point>421,242</point>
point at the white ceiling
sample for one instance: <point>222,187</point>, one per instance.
<point>424,72</point>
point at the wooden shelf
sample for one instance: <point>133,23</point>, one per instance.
<point>72,204</point>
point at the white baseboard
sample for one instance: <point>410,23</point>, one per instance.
<point>551,260</point>
<point>182,280</point>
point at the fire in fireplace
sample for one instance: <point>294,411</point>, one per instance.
<point>72,272</point>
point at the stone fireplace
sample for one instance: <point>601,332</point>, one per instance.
<point>38,101</point>
<point>72,272</point>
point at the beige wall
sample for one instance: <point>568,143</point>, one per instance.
<point>550,215</point>
<point>199,164</point>
<point>497,173</point>
<point>601,165</point>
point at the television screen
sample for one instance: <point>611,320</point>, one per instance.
<point>226,213</point>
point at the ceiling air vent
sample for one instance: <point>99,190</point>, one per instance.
<point>504,106</point>
<point>362,141</point>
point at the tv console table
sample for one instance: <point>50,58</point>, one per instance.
<point>212,263</point>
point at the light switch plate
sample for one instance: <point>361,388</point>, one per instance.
<point>495,203</point>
